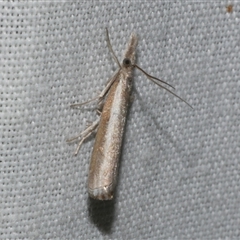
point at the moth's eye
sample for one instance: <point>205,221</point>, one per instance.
<point>126,62</point>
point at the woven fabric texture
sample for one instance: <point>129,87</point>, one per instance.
<point>180,171</point>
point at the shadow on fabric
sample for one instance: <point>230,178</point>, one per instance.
<point>101,213</point>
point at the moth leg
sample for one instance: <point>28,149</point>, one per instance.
<point>84,135</point>
<point>81,142</point>
<point>101,96</point>
<point>76,105</point>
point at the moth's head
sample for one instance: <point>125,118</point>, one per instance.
<point>129,56</point>
<point>127,63</point>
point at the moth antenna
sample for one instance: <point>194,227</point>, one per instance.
<point>153,80</point>
<point>149,76</point>
<point>111,50</point>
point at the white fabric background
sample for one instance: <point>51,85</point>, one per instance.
<point>180,168</point>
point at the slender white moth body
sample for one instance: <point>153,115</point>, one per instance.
<point>115,99</point>
<point>106,151</point>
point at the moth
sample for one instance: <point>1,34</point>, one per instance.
<point>113,103</point>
